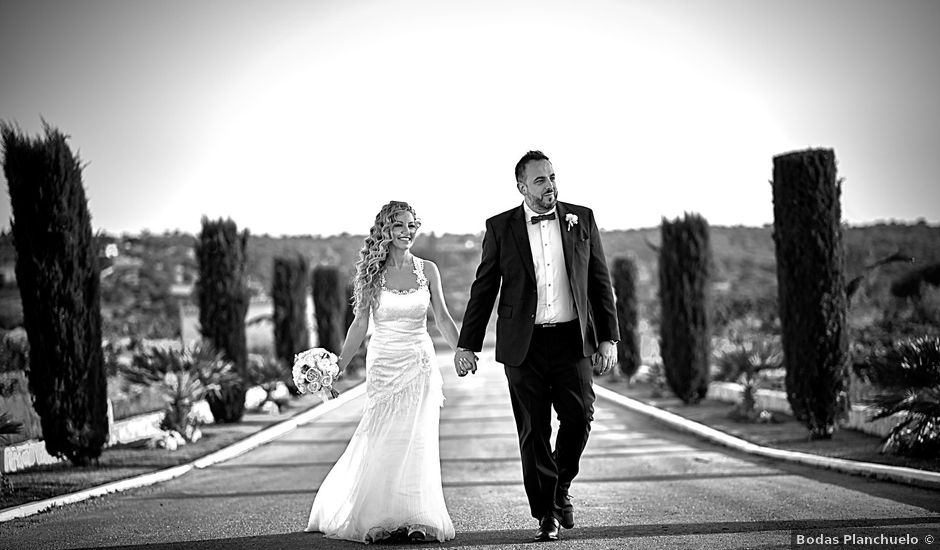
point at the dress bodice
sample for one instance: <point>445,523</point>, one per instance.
<point>403,312</point>
<point>400,349</point>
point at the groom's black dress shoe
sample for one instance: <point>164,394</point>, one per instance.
<point>548,529</point>
<point>564,511</point>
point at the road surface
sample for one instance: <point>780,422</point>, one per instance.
<point>641,486</point>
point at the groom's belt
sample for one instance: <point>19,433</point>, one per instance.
<point>557,325</point>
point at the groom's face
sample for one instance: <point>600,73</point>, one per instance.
<point>538,186</point>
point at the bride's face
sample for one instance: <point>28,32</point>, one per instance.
<point>404,228</point>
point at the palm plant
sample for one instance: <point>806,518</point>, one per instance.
<point>184,377</point>
<point>745,361</point>
<point>908,380</point>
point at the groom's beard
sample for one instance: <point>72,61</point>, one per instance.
<point>544,202</point>
<point>548,201</point>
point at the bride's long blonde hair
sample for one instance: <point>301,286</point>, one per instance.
<point>374,254</point>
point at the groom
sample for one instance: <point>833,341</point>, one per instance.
<point>556,319</point>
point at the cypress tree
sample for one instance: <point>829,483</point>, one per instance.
<point>811,286</point>
<point>222,294</point>
<point>289,292</point>
<point>58,276</point>
<point>684,270</point>
<point>624,274</point>
<point>329,307</point>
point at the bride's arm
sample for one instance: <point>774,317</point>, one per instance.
<point>354,337</point>
<point>442,319</point>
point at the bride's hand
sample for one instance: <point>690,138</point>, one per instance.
<point>465,361</point>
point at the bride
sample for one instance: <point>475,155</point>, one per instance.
<point>388,480</point>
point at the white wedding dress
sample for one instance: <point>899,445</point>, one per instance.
<point>388,480</point>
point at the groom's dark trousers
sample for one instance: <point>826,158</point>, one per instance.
<point>554,371</point>
<point>545,365</point>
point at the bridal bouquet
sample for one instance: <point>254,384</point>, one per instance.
<point>315,370</point>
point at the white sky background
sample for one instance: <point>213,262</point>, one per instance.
<point>306,117</point>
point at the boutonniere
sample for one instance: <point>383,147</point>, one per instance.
<point>572,220</point>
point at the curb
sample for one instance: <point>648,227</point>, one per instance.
<point>909,476</point>
<point>226,453</point>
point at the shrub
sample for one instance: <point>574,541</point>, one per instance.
<point>757,310</point>
<point>14,351</point>
<point>656,380</point>
<point>811,286</point>
<point>907,377</point>
<point>624,274</point>
<point>15,398</point>
<point>268,374</point>
<point>222,294</point>
<point>910,284</point>
<point>11,307</point>
<point>743,361</point>
<point>129,400</point>
<point>183,378</point>
<point>59,281</point>
<point>684,268</point>
<point>917,296</point>
<point>8,426</point>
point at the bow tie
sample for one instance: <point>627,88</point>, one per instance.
<point>543,217</point>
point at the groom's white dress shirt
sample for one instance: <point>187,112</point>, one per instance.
<point>556,304</point>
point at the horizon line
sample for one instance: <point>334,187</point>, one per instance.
<point>921,221</point>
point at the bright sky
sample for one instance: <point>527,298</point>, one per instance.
<point>305,117</point>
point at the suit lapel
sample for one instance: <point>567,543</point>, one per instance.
<point>567,237</point>
<point>520,235</point>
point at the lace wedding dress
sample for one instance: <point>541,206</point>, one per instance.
<point>388,480</point>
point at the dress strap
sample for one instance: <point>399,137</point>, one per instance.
<point>419,275</point>
<point>419,272</point>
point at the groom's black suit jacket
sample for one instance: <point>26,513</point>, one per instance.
<point>507,268</point>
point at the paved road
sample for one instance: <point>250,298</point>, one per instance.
<point>641,487</point>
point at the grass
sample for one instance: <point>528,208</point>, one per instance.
<point>124,461</point>
<point>787,433</point>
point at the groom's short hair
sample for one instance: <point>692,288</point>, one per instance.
<point>526,158</point>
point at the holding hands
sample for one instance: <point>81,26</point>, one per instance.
<point>465,361</point>
<point>605,357</point>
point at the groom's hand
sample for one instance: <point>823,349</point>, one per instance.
<point>605,357</point>
<point>465,361</point>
